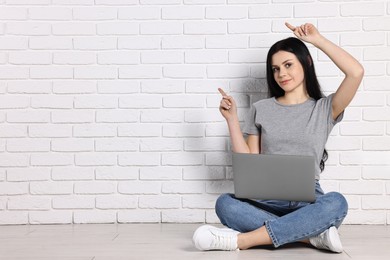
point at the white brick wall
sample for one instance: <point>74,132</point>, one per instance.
<point>109,108</point>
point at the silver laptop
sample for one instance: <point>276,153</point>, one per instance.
<point>275,177</point>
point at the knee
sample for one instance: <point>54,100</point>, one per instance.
<point>337,203</point>
<point>223,205</point>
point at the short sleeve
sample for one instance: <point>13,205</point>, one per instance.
<point>250,127</point>
<point>327,103</point>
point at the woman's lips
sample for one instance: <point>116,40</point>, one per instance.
<point>284,82</point>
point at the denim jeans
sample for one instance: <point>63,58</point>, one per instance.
<point>285,221</point>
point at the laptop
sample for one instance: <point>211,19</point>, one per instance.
<point>274,177</point>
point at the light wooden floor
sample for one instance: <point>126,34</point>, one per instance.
<point>166,241</point>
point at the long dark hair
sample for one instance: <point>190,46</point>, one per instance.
<point>313,88</point>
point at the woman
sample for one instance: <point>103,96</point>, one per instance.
<point>297,119</point>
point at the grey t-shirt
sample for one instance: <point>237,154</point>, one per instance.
<point>301,129</point>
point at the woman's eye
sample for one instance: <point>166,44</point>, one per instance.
<point>288,65</point>
<point>275,69</point>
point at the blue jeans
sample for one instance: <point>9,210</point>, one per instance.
<point>285,221</point>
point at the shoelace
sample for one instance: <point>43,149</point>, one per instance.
<point>223,242</point>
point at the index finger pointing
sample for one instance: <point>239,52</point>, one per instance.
<point>289,26</point>
<point>222,92</point>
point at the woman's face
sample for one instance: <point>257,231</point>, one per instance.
<point>288,71</point>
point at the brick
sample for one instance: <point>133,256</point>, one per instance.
<point>272,11</point>
<point>249,26</point>
<point>180,187</point>
<point>73,202</point>
<point>118,28</point>
<point>226,42</point>
<point>118,87</point>
<point>95,159</point>
<point>376,24</point>
<point>17,188</point>
<point>362,128</point>
<point>162,57</point>
<point>28,116</point>
<point>30,58</point>
<point>30,28</point>
<point>376,143</point>
<point>14,73</point>
<point>14,217</point>
<point>118,57</point>
<point>219,187</point>
<point>366,217</point>
<point>368,100</point>
<point>365,158</point>
<point>227,71</point>
<point>139,216</point>
<point>315,10</point>
<point>72,116</point>
<point>160,2</point>
<point>206,56</point>
<point>182,216</point>
<point>14,43</point>
<point>139,187</point>
<point>183,130</point>
<point>95,43</point>
<point>209,144</point>
<point>140,72</point>
<point>140,159</point>
<point>161,28</point>
<point>139,13</point>
<point>203,116</point>
<point>96,72</point>
<point>375,202</point>
<point>50,13</point>
<point>339,25</point>
<point>343,143</point>
<point>72,173</point>
<point>48,130</point>
<point>73,2</point>
<point>376,114</point>
<point>205,27</point>
<point>73,28</point>
<point>51,159</point>
<point>48,43</point>
<point>94,217</point>
<point>116,173</point>
<point>52,101</point>
<point>28,174</point>
<point>363,39</point>
<point>182,42</point>
<point>182,13</point>
<point>116,202</point>
<point>54,217</point>
<point>376,84</point>
<point>29,145</point>
<point>377,53</point>
<point>116,2</point>
<point>184,101</point>
<point>166,116</point>
<point>74,58</point>
<point>95,101</point>
<point>188,158</point>
<point>161,144</point>
<point>139,43</point>
<point>142,101</point>
<point>51,188</point>
<point>72,145</point>
<point>341,173</point>
<point>160,173</point>
<point>160,202</point>
<point>117,116</point>
<point>94,187</point>
<point>247,56</point>
<point>219,158</point>
<point>376,172</point>
<point>13,13</point>
<point>29,203</point>
<point>362,9</point>
<point>118,144</point>
<point>94,13</point>
<point>146,130</point>
<point>14,102</point>
<point>203,173</point>
<point>226,12</point>
<point>52,72</point>
<point>74,87</point>
<point>199,201</point>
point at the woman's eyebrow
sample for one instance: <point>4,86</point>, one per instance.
<point>284,62</point>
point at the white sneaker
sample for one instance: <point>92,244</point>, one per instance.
<point>329,240</point>
<point>208,237</point>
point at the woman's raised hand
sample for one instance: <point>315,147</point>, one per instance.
<point>227,106</point>
<point>306,32</point>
